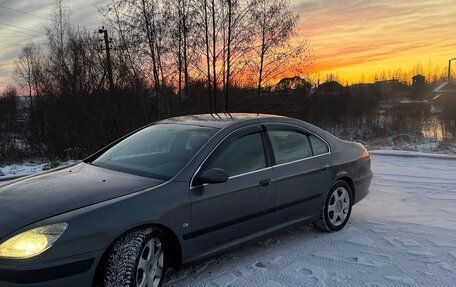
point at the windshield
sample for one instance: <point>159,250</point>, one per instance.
<point>158,151</point>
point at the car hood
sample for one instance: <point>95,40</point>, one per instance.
<point>42,196</point>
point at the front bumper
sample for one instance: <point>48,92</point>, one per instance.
<point>69,272</point>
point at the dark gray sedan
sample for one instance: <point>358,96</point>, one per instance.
<point>175,191</point>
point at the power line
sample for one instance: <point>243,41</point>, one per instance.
<point>15,45</point>
<point>24,12</point>
<point>17,36</point>
<point>42,17</point>
<point>17,27</point>
<point>22,32</point>
<point>19,49</point>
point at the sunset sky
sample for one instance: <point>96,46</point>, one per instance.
<point>352,38</point>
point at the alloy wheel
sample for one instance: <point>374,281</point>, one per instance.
<point>338,206</point>
<point>150,266</point>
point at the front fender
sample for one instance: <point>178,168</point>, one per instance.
<point>95,228</point>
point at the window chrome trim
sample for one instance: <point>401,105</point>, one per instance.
<point>302,159</point>
<point>266,168</point>
<point>250,172</point>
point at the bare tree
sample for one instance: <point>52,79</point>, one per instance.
<point>214,52</point>
<point>274,23</point>
<point>208,61</point>
<point>228,57</point>
<point>182,35</point>
<point>148,12</point>
<point>185,32</point>
<point>27,73</point>
<point>238,42</point>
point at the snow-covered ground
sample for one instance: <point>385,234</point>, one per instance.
<point>402,234</point>
<point>21,169</point>
<point>412,143</point>
<point>411,154</point>
<point>16,170</point>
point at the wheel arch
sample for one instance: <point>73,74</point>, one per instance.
<point>351,183</point>
<point>172,242</point>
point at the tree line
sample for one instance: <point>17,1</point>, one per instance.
<point>169,58</point>
<point>153,59</point>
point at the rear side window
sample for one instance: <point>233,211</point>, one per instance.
<point>289,145</point>
<point>318,146</point>
<point>238,155</point>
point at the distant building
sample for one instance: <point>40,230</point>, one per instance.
<point>362,89</point>
<point>418,80</point>
<point>420,88</point>
<point>294,83</point>
<point>390,88</point>
<point>331,88</point>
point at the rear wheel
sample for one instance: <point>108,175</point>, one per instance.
<point>137,259</point>
<point>336,209</point>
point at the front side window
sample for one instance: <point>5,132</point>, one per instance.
<point>239,155</point>
<point>289,145</point>
<point>158,151</point>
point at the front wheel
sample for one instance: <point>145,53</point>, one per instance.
<point>336,209</point>
<point>137,259</point>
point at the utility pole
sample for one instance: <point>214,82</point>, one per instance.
<point>449,68</point>
<point>108,56</point>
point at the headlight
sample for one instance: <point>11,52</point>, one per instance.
<point>33,242</point>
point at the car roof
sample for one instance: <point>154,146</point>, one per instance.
<point>220,120</point>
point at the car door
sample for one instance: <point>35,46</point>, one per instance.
<point>244,204</point>
<point>302,164</point>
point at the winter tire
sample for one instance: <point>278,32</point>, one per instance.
<point>336,209</point>
<point>137,259</point>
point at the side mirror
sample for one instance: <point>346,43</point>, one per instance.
<point>213,175</point>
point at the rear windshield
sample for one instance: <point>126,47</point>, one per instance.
<point>158,151</point>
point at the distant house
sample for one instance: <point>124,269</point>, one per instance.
<point>420,88</point>
<point>331,88</point>
<point>418,80</point>
<point>294,83</point>
<point>390,88</point>
<point>396,94</point>
<point>362,89</point>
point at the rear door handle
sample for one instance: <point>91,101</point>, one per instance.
<point>265,182</point>
<point>323,168</point>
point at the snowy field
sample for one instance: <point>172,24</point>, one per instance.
<point>17,170</point>
<point>402,234</point>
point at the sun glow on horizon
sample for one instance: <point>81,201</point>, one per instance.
<point>357,39</point>
<point>353,41</point>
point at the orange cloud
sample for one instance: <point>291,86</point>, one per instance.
<point>354,38</point>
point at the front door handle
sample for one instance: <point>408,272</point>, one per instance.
<point>265,182</point>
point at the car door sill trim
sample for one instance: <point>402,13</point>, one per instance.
<point>226,224</point>
<point>248,238</point>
